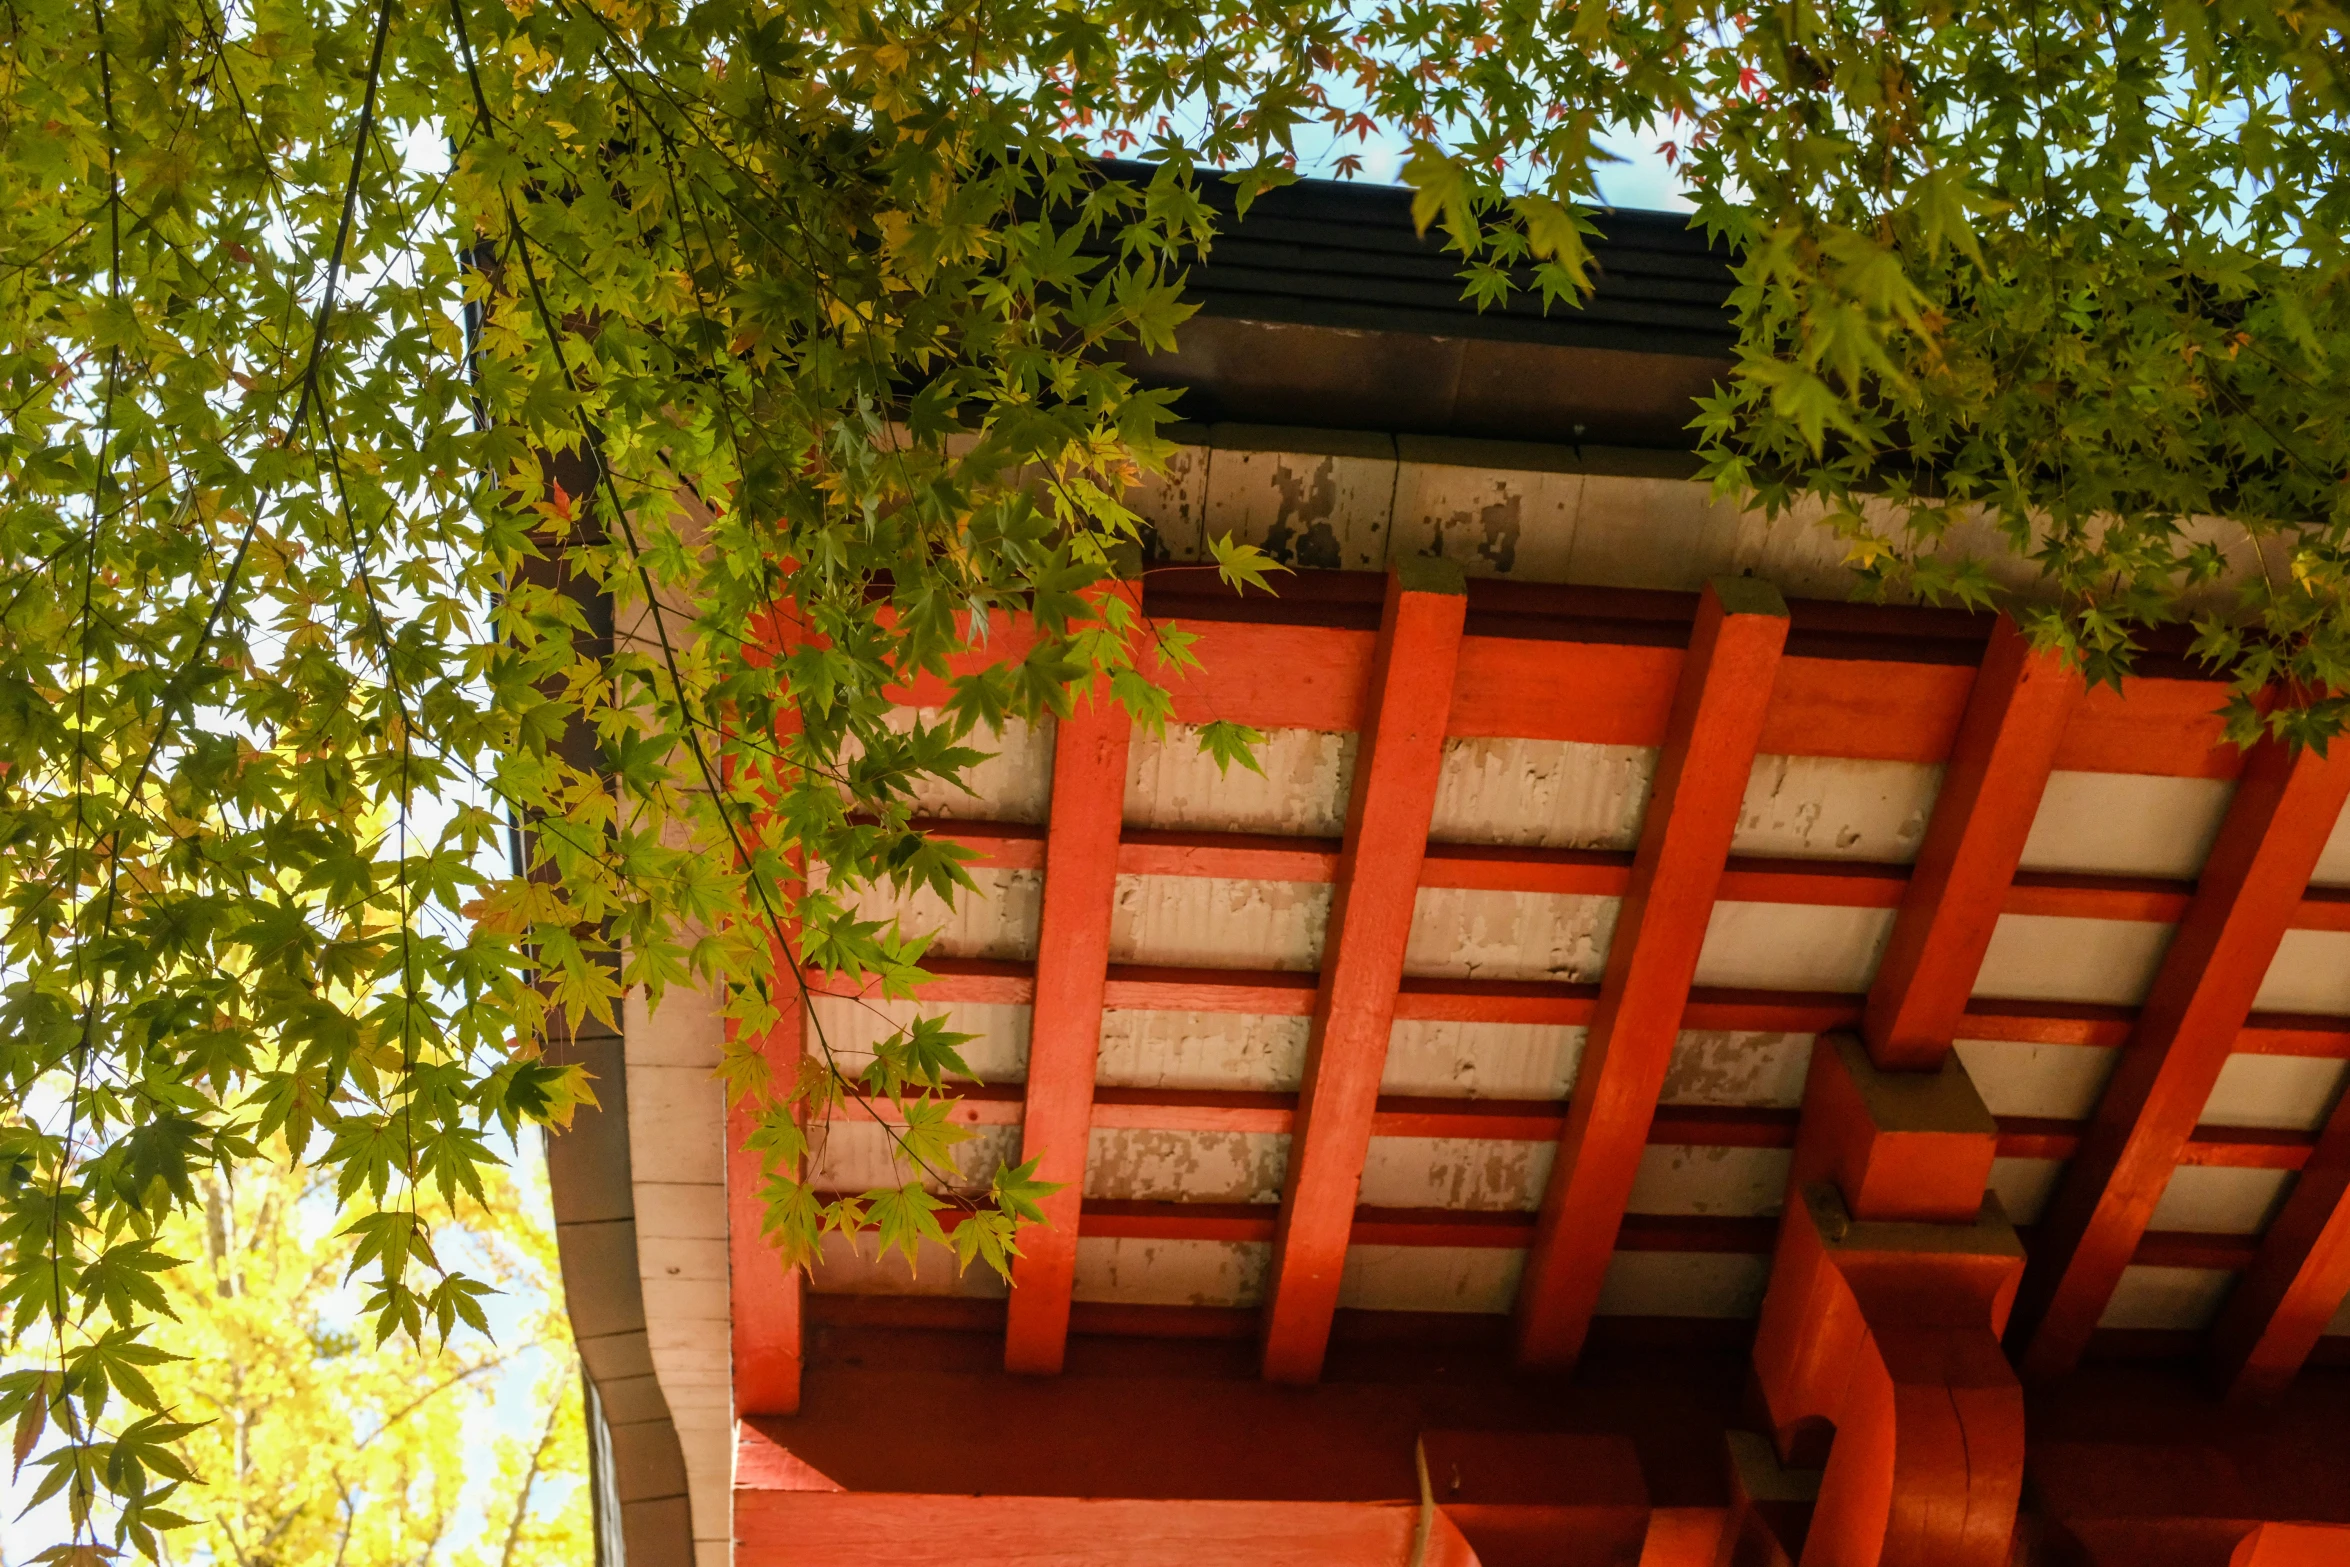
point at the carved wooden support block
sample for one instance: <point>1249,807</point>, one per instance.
<point>1898,1145</point>
<point>1889,1332</point>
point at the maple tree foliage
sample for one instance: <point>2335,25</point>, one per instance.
<point>357,354</point>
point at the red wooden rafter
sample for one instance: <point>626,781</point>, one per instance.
<point>2284,809</point>
<point>1072,964</point>
<point>2297,1279</point>
<point>1397,763</point>
<point>2006,747</point>
<point>1710,743</point>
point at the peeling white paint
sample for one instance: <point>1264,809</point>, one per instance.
<point>864,1269</point>
<point>1126,1165</point>
<point>853,1025</point>
<point>1430,1278</point>
<point>1499,522</point>
<point>1481,1060</point>
<point>996,921</point>
<point>1477,1174</point>
<point>1469,933</point>
<point>1014,784</point>
<point>1218,922</point>
<point>1832,808</point>
<point>1737,1067</point>
<point>1793,946</point>
<point>2024,1186</point>
<point>1737,1183</point>
<point>1683,1284</point>
<point>860,1154</point>
<point>2295,1093</point>
<point>1173,784</point>
<point>2310,973</point>
<point>2041,957</point>
<point>2166,1297</point>
<point>1553,794</point>
<point>1174,503</point>
<point>2061,1082</point>
<point>1202,1050</point>
<point>1322,510</point>
<point>2215,1200</point>
<point>2122,824</point>
<point>1171,1273</point>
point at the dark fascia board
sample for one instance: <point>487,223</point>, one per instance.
<point>1323,306</point>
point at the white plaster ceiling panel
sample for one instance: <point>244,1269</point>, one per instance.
<point>1218,922</point>
<point>863,1268</point>
<point>2046,957</point>
<point>1322,511</point>
<point>1836,808</point>
<point>2166,1297</point>
<point>1471,933</point>
<point>1481,1060</point>
<point>681,1210</point>
<point>1651,533</point>
<point>1171,783</point>
<point>1683,1284</point>
<point>2294,1093</point>
<point>2122,824</point>
<point>1496,522</point>
<point>1431,1278</point>
<point>2061,1082</point>
<point>1014,784</point>
<point>2333,863</point>
<point>996,921</point>
<point>2310,973</point>
<point>1174,503</point>
<point>1737,1067</point>
<point>1131,1165</point>
<point>1456,1172</point>
<point>1733,1183</point>
<point>1202,1050</point>
<point>857,1154</point>
<point>1170,1273</point>
<point>1554,794</point>
<point>2024,1186</point>
<point>675,1116</point>
<point>2215,1200</point>
<point>852,1025</point>
<point>1793,946</point>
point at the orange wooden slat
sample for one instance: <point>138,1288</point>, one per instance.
<point>1394,792</point>
<point>1064,1041</point>
<point>2297,1279</point>
<point>2284,808</point>
<point>1716,724</point>
<point>1998,768</point>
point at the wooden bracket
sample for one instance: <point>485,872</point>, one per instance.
<point>1884,1314</point>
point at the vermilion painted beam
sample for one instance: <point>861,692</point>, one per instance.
<point>1581,687</point>
<point>767,1301</point>
<point>2284,809</point>
<point>2007,744</point>
<point>1064,1039</point>
<point>1397,764</point>
<point>1140,988</point>
<point>1709,749</point>
<point>2298,1278</point>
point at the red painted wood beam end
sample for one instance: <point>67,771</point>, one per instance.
<point>1397,764</point>
<point>2007,744</point>
<point>2298,1278</point>
<point>1710,743</point>
<point>767,1300</point>
<point>1064,1041</point>
<point>2284,810</point>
